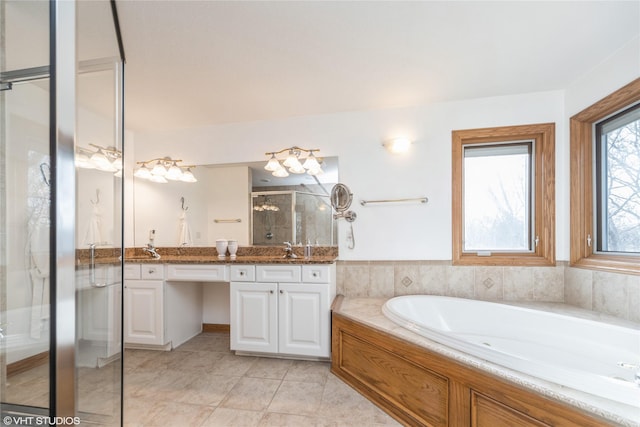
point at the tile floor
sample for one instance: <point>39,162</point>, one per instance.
<point>202,383</point>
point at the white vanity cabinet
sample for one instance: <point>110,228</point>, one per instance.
<point>282,309</point>
<point>144,305</point>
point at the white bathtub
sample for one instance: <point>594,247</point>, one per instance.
<point>585,355</point>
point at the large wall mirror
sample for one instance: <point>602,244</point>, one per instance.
<point>239,201</point>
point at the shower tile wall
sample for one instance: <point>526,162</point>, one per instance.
<point>609,293</point>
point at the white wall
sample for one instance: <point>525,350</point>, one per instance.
<point>392,232</point>
<point>411,232</point>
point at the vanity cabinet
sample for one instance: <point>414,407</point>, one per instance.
<point>144,305</point>
<point>282,309</point>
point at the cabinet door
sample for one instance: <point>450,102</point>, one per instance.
<point>254,317</point>
<point>144,312</point>
<point>304,319</point>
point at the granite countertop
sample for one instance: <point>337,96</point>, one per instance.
<point>369,312</point>
<point>207,255</point>
<point>194,259</point>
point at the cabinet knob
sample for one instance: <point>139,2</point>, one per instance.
<point>281,291</point>
<point>270,292</point>
<point>242,273</point>
<point>315,274</point>
<point>151,270</point>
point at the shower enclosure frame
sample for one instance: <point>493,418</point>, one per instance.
<point>62,72</point>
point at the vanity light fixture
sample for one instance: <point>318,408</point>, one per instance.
<point>398,145</point>
<point>107,159</point>
<point>163,170</point>
<point>293,162</point>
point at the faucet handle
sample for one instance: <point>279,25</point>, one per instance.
<point>288,247</point>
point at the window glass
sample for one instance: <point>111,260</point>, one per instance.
<point>498,197</point>
<point>617,179</point>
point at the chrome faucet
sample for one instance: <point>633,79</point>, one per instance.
<point>151,250</point>
<point>288,251</point>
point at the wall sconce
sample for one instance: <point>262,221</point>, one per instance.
<point>163,170</point>
<point>105,159</point>
<point>398,145</point>
<point>293,162</point>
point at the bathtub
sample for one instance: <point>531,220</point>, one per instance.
<point>594,357</point>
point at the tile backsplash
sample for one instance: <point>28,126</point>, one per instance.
<point>609,293</point>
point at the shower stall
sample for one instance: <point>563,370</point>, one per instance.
<point>292,216</point>
<point>61,85</point>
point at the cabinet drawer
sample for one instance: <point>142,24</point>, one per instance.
<point>278,273</point>
<point>132,271</point>
<point>150,271</point>
<point>242,273</point>
<point>316,274</point>
<point>197,272</point>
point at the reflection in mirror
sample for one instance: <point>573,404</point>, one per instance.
<point>341,197</point>
<point>220,206</point>
<point>292,216</point>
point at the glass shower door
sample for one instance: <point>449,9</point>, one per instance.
<point>60,227</point>
<point>25,182</point>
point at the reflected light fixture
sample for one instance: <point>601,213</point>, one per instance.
<point>163,170</point>
<point>398,145</point>
<point>293,162</point>
<point>106,159</point>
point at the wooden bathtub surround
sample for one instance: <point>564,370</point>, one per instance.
<point>419,387</point>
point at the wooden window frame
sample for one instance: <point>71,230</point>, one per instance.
<point>582,187</point>
<point>544,193</point>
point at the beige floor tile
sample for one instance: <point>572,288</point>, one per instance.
<point>308,371</point>
<point>344,405</point>
<point>273,419</point>
<point>207,389</point>
<point>294,397</point>
<point>179,414</point>
<point>269,368</point>
<point>138,412</point>
<point>135,380</point>
<point>227,417</point>
<point>229,364</point>
<point>251,393</point>
<point>167,386</point>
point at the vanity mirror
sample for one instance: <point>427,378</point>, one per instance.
<point>240,201</point>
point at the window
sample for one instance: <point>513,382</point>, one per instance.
<point>617,177</point>
<point>503,196</point>
<point>605,191</point>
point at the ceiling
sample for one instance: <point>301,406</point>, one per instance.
<point>197,63</point>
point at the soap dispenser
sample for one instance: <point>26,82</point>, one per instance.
<point>308,250</point>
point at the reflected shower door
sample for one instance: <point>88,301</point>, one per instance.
<point>25,316</point>
<point>25,217</point>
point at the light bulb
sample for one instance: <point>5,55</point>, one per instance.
<point>159,179</point>
<point>297,168</point>
<point>143,172</point>
<point>398,145</point>
<point>187,176</point>
<point>291,159</point>
<point>311,162</point>
<point>83,161</point>
<point>280,173</point>
<point>273,164</point>
<point>174,173</point>
<point>101,162</point>
<point>315,171</point>
<point>159,169</point>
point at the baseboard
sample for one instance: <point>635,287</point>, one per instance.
<point>28,363</point>
<point>214,327</point>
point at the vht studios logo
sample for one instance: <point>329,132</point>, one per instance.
<point>18,420</point>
